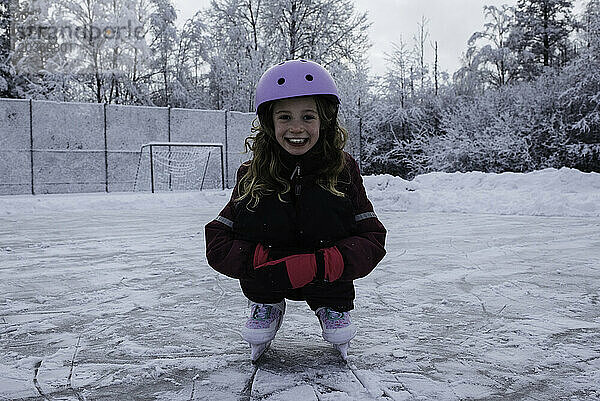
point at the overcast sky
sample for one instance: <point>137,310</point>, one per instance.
<point>451,24</point>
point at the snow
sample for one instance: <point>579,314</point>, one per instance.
<point>550,192</point>
<point>490,290</point>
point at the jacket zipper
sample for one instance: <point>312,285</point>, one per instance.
<point>296,173</point>
<point>298,186</point>
<point>297,189</point>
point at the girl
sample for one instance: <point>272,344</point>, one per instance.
<point>299,225</point>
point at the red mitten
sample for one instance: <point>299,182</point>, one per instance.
<point>261,255</point>
<point>296,271</point>
<point>333,263</point>
<point>290,272</point>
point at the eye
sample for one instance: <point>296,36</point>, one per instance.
<point>283,117</point>
<point>310,117</point>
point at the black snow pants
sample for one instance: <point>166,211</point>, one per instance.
<point>338,295</point>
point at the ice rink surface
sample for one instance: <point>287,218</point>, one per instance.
<point>121,305</point>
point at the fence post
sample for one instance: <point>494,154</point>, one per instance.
<point>226,149</point>
<point>169,123</point>
<point>222,168</point>
<point>360,140</point>
<point>31,144</point>
<point>105,152</point>
<point>169,140</point>
<point>151,169</point>
<point>360,144</point>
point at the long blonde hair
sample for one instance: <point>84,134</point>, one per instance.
<point>264,177</point>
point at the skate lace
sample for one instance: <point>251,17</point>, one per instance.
<point>262,312</point>
<point>334,315</point>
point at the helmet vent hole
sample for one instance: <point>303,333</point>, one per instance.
<point>281,81</point>
<point>309,77</point>
<point>304,61</point>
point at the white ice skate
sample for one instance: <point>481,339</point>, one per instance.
<point>338,329</point>
<point>261,326</point>
<point>257,350</point>
<point>343,349</point>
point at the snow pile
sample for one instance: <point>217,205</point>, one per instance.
<point>42,204</point>
<point>550,192</point>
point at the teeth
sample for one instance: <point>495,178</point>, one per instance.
<point>297,140</point>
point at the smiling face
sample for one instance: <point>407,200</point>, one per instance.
<point>296,122</point>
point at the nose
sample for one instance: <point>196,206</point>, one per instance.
<point>296,126</point>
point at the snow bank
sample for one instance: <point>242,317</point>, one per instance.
<point>550,192</point>
<point>41,204</point>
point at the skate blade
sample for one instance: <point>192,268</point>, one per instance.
<point>343,350</point>
<point>258,350</point>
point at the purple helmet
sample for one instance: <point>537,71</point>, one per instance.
<point>294,78</point>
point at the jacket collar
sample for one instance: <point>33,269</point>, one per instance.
<point>309,162</point>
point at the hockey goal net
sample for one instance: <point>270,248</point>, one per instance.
<point>180,166</point>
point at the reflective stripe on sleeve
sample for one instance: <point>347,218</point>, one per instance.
<point>225,221</point>
<point>364,216</point>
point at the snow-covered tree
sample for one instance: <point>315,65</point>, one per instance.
<point>5,29</point>
<point>591,24</point>
<point>190,85</point>
<point>36,53</point>
<point>106,48</point>
<point>495,61</point>
<point>468,80</point>
<point>162,47</point>
<point>540,35</point>
<point>580,98</point>
<point>35,43</point>
<point>330,32</point>
<point>122,49</point>
<point>397,79</point>
<point>478,135</point>
<point>420,41</point>
<point>244,37</point>
<point>407,110</point>
<point>321,30</point>
<point>7,71</point>
<point>236,52</point>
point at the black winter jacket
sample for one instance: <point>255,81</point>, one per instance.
<point>310,218</point>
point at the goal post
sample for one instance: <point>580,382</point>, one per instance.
<point>179,166</point>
